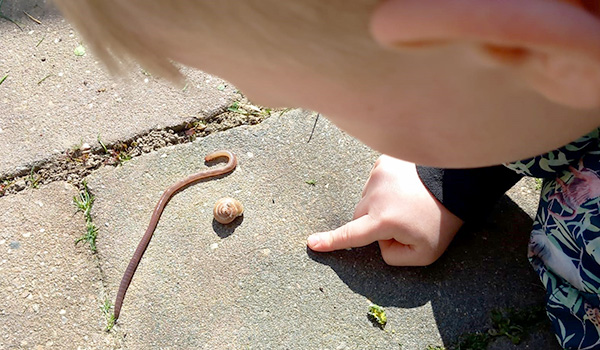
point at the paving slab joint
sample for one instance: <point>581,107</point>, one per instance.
<point>73,165</point>
<point>84,202</point>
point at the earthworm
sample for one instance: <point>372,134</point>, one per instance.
<point>160,206</point>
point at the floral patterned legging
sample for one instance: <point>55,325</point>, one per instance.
<point>564,248</point>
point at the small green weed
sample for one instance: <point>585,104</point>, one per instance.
<point>377,315</point>
<point>248,109</point>
<point>311,182</point>
<point>79,50</point>
<point>77,147</point>
<point>538,184</point>
<point>33,180</point>
<point>435,347</point>
<point>123,157</point>
<point>504,327</point>
<point>3,79</point>
<point>516,325</point>
<point>283,111</point>
<point>102,144</point>
<point>118,154</point>
<point>474,341</point>
<point>84,202</point>
<point>90,236</point>
<point>235,107</point>
<point>110,317</point>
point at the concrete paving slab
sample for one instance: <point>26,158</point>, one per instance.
<point>253,284</point>
<point>53,100</point>
<point>50,289</point>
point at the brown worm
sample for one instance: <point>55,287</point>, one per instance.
<point>160,206</point>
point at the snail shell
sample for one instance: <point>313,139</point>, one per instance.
<point>227,209</point>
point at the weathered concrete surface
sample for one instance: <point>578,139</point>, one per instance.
<point>254,285</point>
<point>53,100</point>
<point>50,289</point>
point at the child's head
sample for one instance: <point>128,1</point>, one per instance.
<point>446,83</point>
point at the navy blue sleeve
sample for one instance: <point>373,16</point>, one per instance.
<point>469,194</point>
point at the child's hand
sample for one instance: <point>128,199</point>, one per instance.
<point>412,227</point>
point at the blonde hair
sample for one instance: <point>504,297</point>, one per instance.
<point>137,30</point>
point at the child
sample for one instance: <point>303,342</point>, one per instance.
<point>453,84</point>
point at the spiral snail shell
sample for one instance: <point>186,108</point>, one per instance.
<point>227,209</point>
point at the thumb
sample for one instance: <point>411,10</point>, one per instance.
<point>357,233</point>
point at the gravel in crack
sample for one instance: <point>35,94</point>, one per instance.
<point>75,164</point>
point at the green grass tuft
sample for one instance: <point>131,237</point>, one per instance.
<point>34,181</point>
<point>514,324</point>
<point>84,202</point>
<point>110,317</point>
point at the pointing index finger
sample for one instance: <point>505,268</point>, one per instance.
<point>357,233</point>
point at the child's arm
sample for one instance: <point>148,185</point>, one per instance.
<point>411,225</point>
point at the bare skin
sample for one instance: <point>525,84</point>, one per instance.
<point>403,241</point>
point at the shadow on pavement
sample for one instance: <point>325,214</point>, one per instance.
<point>15,10</point>
<point>485,268</point>
<point>224,231</point>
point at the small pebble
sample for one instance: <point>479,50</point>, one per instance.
<point>19,185</point>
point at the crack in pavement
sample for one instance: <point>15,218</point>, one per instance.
<point>73,165</point>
